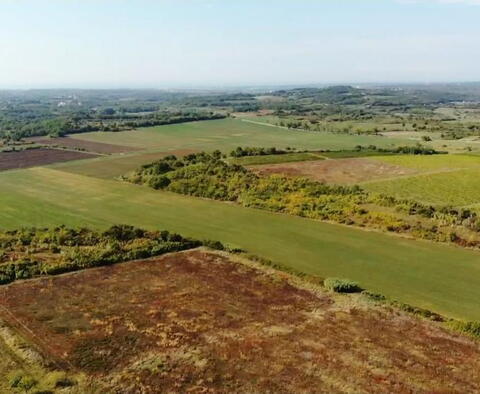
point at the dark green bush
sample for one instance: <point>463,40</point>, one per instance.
<point>341,285</point>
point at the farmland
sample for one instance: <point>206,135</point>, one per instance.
<point>227,134</point>
<point>193,323</point>
<point>400,265</point>
<point>190,204</point>
<point>115,165</point>
<point>457,188</point>
<point>274,159</point>
<point>38,157</point>
<point>341,171</point>
<point>73,143</point>
<point>441,180</point>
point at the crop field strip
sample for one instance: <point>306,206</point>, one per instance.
<point>88,146</point>
<point>38,157</point>
<point>116,165</point>
<point>442,180</point>
<point>390,265</point>
<point>274,159</point>
<point>227,134</point>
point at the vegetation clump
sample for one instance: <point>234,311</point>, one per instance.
<point>402,150</point>
<point>470,328</point>
<point>209,176</point>
<point>34,252</point>
<point>251,151</point>
<point>341,285</point>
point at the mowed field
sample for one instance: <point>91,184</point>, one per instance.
<point>116,165</point>
<point>390,265</point>
<point>200,321</point>
<point>227,134</point>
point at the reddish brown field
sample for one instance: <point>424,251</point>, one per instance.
<point>340,171</point>
<point>38,157</point>
<point>89,146</point>
<point>204,322</point>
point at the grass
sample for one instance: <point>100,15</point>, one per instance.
<point>112,166</point>
<point>443,179</point>
<point>275,159</point>
<point>457,188</point>
<point>351,154</point>
<point>432,162</point>
<point>390,265</point>
<point>227,134</point>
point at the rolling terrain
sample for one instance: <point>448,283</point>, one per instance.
<point>194,323</point>
<point>387,264</point>
<point>227,134</point>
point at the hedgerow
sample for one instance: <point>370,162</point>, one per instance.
<point>33,252</point>
<point>209,176</point>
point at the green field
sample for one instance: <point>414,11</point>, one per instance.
<point>457,188</point>
<point>110,166</point>
<point>276,159</point>
<point>438,277</point>
<point>442,179</point>
<point>433,162</point>
<point>227,134</point>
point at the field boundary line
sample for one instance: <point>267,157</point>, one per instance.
<point>38,339</point>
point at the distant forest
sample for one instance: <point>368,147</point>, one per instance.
<point>60,112</point>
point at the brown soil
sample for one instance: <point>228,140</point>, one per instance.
<point>89,146</point>
<point>202,322</point>
<point>341,171</point>
<point>38,157</point>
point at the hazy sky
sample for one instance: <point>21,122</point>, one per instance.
<point>183,43</point>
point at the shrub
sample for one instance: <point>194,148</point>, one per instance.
<point>216,245</point>
<point>341,285</point>
<point>471,328</point>
<point>22,381</point>
<point>58,379</point>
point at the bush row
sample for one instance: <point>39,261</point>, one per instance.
<point>29,253</point>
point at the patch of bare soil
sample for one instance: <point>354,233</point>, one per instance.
<point>38,157</point>
<point>339,171</point>
<point>204,322</point>
<point>89,146</point>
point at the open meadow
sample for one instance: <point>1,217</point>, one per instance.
<point>387,264</point>
<point>227,134</point>
<point>115,165</point>
<point>440,179</point>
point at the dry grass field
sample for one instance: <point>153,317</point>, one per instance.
<point>339,171</point>
<point>202,321</point>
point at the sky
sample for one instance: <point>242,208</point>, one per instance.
<point>214,43</point>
